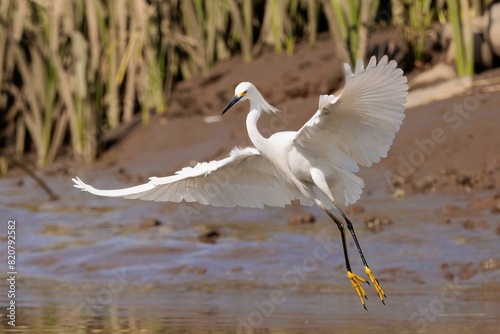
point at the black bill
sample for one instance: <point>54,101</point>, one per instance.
<point>232,103</point>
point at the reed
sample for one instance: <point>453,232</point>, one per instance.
<point>414,19</point>
<point>72,70</point>
<point>349,21</point>
<point>459,16</point>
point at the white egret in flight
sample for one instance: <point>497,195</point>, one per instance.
<point>314,165</point>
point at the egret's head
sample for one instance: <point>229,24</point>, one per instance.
<point>241,93</point>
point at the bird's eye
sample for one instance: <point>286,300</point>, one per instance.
<point>245,92</point>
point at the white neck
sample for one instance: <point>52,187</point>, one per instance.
<point>253,132</point>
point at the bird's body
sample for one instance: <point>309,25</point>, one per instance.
<point>314,165</point>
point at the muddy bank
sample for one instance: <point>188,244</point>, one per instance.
<point>428,222</point>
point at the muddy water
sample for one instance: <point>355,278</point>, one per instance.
<point>87,264</point>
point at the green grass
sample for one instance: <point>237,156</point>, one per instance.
<point>71,70</point>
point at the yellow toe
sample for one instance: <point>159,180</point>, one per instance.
<point>356,281</point>
<point>376,284</point>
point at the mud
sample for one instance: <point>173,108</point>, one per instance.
<point>89,264</point>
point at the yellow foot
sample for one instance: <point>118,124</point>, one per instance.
<point>356,283</point>
<point>380,292</point>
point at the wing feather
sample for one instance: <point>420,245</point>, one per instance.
<point>245,179</point>
<point>358,126</point>
<point>363,120</point>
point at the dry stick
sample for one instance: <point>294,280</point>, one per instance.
<point>41,183</point>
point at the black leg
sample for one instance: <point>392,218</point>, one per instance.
<point>351,229</point>
<point>368,271</point>
<point>341,228</point>
<point>355,279</point>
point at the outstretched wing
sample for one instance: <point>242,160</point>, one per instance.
<point>245,179</point>
<point>360,123</point>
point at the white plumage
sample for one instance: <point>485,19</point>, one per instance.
<point>355,128</point>
<point>245,178</point>
<point>314,165</point>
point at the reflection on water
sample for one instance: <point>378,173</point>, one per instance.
<point>154,309</point>
<point>88,265</point>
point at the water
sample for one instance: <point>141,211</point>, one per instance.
<point>86,264</point>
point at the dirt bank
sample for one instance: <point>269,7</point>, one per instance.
<point>427,221</point>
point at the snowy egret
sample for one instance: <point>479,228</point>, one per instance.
<point>314,165</point>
